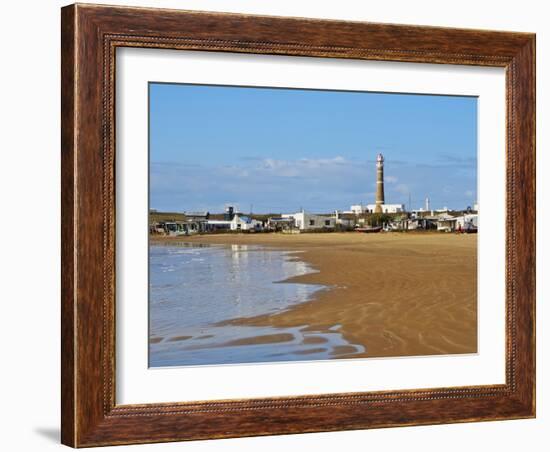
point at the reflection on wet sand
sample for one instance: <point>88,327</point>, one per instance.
<point>197,293</point>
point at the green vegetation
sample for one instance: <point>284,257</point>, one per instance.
<point>378,219</point>
<point>157,217</point>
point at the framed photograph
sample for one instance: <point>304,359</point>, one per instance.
<point>281,225</point>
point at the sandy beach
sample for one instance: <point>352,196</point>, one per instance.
<point>397,294</point>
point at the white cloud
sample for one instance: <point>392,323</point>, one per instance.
<point>323,184</point>
<point>403,189</point>
<point>291,168</point>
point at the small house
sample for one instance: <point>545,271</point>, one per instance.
<point>309,222</point>
<point>446,223</point>
<point>245,223</point>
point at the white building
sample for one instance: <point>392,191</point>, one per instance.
<point>359,209</point>
<point>309,221</point>
<point>464,223</point>
<point>467,222</point>
<point>245,223</point>
<point>446,223</point>
<point>238,223</point>
<point>388,208</point>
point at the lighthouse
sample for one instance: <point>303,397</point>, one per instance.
<point>379,183</point>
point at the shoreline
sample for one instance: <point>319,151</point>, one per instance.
<point>395,294</point>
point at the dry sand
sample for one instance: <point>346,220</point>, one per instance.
<point>397,294</point>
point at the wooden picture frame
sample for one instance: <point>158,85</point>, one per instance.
<point>90,36</point>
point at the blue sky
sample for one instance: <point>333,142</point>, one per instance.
<point>279,150</point>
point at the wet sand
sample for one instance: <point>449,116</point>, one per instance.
<point>397,294</point>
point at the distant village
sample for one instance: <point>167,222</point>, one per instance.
<point>368,218</point>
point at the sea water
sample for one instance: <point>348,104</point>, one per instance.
<point>194,290</point>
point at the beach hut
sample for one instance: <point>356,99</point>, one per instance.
<point>245,223</point>
<point>446,223</point>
